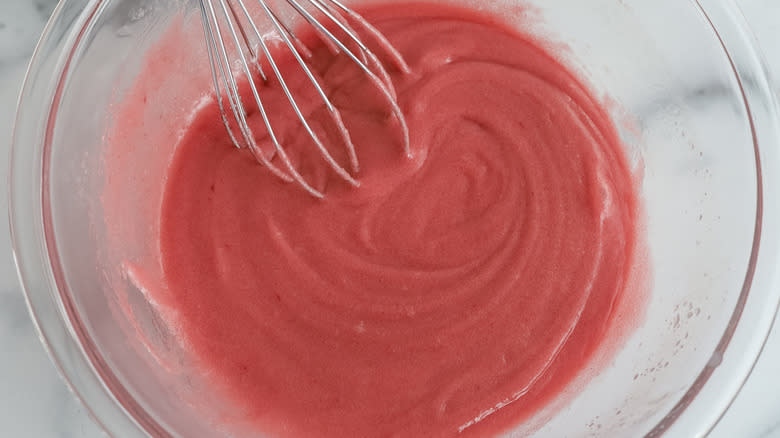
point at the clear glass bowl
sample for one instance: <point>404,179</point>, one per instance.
<point>706,131</point>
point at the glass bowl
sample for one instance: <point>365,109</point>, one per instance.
<point>704,128</point>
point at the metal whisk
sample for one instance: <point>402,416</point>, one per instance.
<point>227,25</point>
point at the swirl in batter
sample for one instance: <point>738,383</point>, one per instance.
<point>456,292</point>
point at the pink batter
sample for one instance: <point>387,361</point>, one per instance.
<point>457,292</point>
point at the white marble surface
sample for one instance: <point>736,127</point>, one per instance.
<point>34,402</point>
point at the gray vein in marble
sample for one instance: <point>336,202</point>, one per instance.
<point>45,7</point>
<point>772,431</point>
<point>23,22</point>
<point>15,310</point>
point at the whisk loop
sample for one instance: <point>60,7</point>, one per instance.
<point>228,24</point>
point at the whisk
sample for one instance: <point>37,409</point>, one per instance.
<point>228,27</point>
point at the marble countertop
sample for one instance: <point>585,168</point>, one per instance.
<point>34,402</point>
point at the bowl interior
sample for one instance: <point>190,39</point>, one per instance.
<point>659,65</point>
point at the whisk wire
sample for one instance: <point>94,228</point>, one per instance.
<point>255,59</point>
<point>365,53</point>
<point>340,46</point>
<point>335,114</point>
<point>299,45</point>
<point>388,92</point>
<point>214,36</point>
<point>263,112</point>
<point>296,108</point>
<point>395,55</point>
<point>214,75</point>
<point>229,20</point>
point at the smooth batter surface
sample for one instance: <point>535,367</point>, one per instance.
<point>454,293</point>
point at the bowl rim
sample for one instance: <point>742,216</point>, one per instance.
<point>38,268</point>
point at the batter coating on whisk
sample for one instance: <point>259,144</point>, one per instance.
<point>454,293</point>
